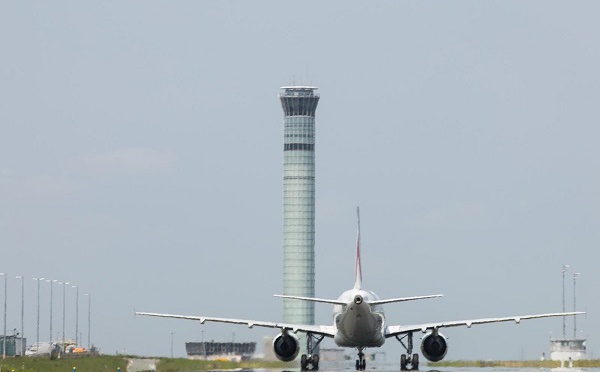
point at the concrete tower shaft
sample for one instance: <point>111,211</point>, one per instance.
<point>299,105</point>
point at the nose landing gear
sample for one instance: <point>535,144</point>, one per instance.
<point>361,363</point>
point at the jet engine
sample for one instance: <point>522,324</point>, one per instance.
<point>286,347</point>
<point>434,346</point>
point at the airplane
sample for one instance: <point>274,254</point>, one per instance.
<point>359,322</point>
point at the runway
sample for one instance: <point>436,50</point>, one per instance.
<point>348,366</point>
<point>141,365</point>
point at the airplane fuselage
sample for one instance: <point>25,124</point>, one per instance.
<point>359,324</point>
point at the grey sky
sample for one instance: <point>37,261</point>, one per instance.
<point>141,159</point>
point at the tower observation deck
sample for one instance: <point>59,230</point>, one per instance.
<point>299,104</point>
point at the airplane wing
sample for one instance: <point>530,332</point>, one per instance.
<point>328,331</point>
<point>392,331</point>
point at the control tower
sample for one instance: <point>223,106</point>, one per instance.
<point>299,105</point>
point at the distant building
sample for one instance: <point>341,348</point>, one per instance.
<point>231,351</point>
<point>568,349</point>
<point>15,345</point>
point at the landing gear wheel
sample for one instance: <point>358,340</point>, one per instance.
<point>409,364</point>
<point>415,362</point>
<point>406,362</point>
<point>361,365</point>
<point>312,359</point>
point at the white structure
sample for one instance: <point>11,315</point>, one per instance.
<point>42,348</point>
<point>568,349</point>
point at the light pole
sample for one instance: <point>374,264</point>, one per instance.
<point>203,345</point>
<point>171,344</point>
<point>89,317</point>
<point>575,276</point>
<point>565,267</point>
<point>76,316</point>
<point>64,312</point>
<point>51,297</point>
<point>38,312</point>
<point>4,340</point>
<point>22,307</point>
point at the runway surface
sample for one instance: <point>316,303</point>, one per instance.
<point>348,367</point>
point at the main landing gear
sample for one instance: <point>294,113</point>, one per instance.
<point>408,363</point>
<point>310,362</point>
<point>361,364</point>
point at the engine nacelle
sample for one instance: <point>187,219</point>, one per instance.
<point>286,347</point>
<point>434,346</point>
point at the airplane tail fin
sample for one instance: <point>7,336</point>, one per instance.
<point>358,279</point>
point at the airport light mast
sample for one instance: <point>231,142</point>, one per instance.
<point>22,306</point>
<point>564,328</point>
<point>76,287</point>
<point>38,312</point>
<point>4,340</point>
<point>575,276</point>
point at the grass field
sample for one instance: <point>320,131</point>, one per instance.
<point>91,364</point>
<point>108,363</point>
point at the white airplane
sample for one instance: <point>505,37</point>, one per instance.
<point>359,322</point>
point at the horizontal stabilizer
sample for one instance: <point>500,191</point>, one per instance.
<point>376,302</point>
<point>402,299</point>
<point>325,301</point>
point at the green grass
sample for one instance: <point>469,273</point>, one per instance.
<point>587,363</point>
<point>109,363</point>
<point>89,364</point>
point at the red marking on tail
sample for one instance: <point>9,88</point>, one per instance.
<point>358,282</point>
